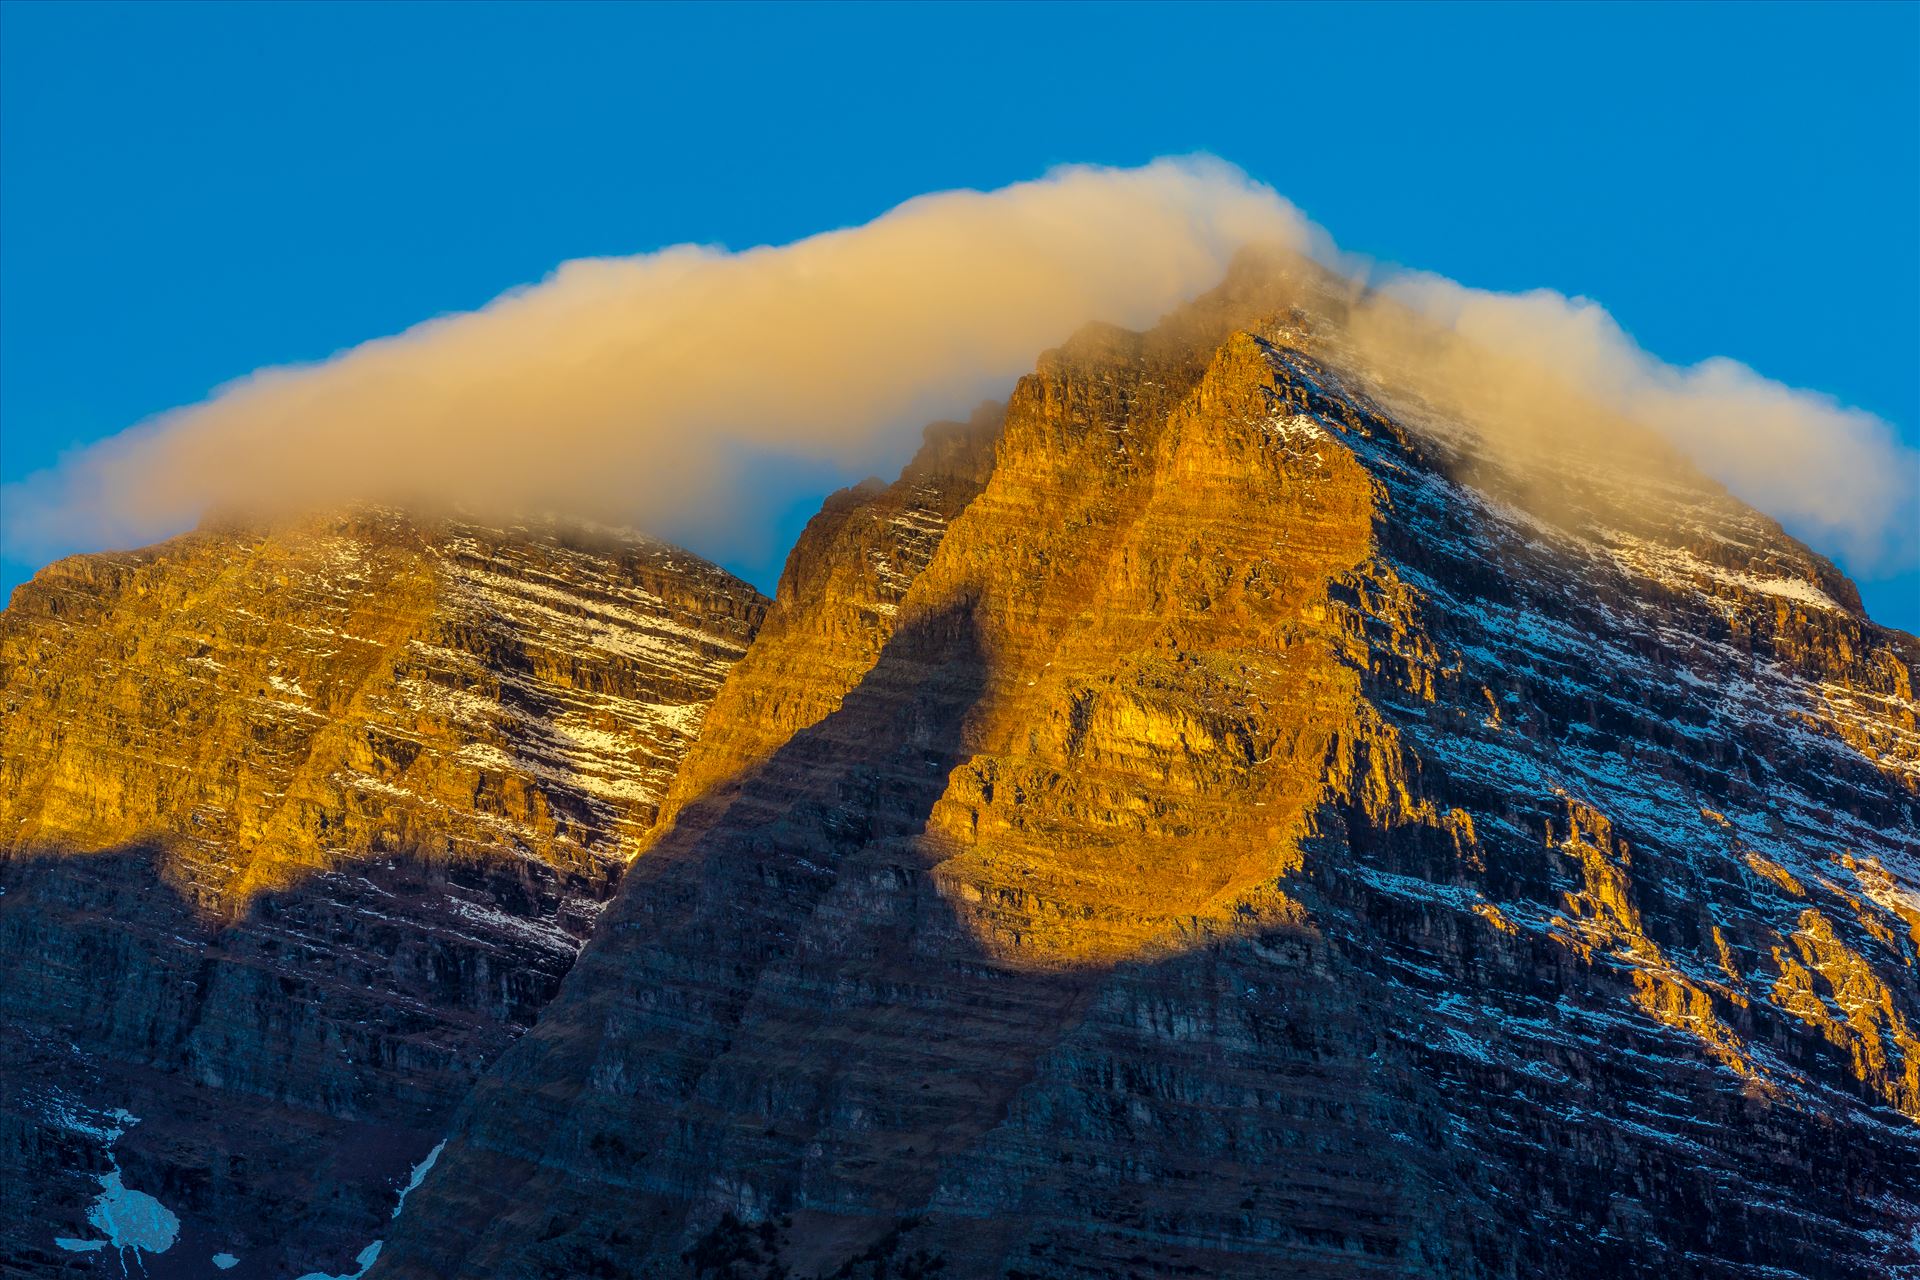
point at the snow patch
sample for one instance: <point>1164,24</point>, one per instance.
<point>366,1258</point>
<point>418,1176</point>
<point>1296,427</point>
<point>371,1254</point>
<point>535,932</point>
<point>1678,567</point>
<point>127,1219</point>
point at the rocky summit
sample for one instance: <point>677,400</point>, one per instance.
<point>1215,814</point>
<point>299,827</point>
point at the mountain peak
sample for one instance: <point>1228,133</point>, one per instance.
<point>1240,767</point>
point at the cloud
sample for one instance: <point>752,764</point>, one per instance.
<point>636,387</point>
<point>1541,370</point>
<point>653,389</point>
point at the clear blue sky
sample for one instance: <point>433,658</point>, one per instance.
<point>190,192</point>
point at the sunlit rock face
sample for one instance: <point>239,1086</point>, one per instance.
<point>1208,823</point>
<point>299,827</point>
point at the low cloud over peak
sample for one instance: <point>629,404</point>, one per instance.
<point>641,389</point>
<point>632,388</point>
<point>1553,366</point>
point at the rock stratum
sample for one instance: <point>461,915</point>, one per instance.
<point>299,828</point>
<point>1217,814</point>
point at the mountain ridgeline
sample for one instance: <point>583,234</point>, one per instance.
<point>1213,815</point>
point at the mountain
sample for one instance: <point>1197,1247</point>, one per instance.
<point>1220,817</point>
<point>1219,813</point>
<point>300,826</point>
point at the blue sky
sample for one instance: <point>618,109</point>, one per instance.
<point>188,193</point>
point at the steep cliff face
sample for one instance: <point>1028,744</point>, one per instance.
<point>1237,829</point>
<point>300,828</point>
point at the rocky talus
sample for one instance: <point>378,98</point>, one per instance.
<point>299,828</point>
<point>1219,819</point>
